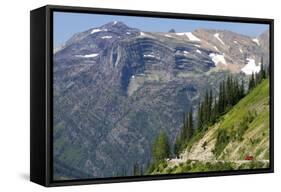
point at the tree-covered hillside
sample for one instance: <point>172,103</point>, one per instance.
<point>238,140</point>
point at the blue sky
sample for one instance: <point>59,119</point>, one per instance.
<point>66,24</point>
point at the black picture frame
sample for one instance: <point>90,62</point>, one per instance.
<point>41,53</point>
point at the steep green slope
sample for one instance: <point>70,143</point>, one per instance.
<point>242,132</point>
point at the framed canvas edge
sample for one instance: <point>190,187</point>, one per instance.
<point>50,182</point>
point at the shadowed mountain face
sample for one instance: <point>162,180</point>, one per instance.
<point>116,87</point>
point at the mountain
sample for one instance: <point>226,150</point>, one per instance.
<point>116,87</point>
<point>242,132</point>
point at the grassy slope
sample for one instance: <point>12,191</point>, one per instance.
<point>255,140</point>
<point>239,141</point>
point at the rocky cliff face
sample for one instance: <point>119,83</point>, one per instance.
<point>116,87</point>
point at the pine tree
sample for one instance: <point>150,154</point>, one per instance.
<point>202,115</point>
<point>251,81</point>
<point>228,96</point>
<point>262,71</point>
<point>177,146</point>
<point>160,147</point>
<point>190,124</point>
<point>187,133</point>
<point>214,112</point>
<point>206,108</point>
<point>184,127</point>
<point>220,100</point>
<point>266,72</point>
<point>241,90</point>
<point>210,105</point>
<point>236,92</point>
<point>199,117</point>
<point>224,97</point>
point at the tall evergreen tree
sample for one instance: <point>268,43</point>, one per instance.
<point>206,108</point>
<point>160,147</point>
<point>220,99</point>
<point>229,91</point>
<point>236,92</point>
<point>184,127</point>
<point>252,81</point>
<point>177,146</point>
<point>242,89</point>
<point>210,105</point>
<point>262,71</point>
<point>190,124</point>
<point>199,117</point>
<point>214,112</point>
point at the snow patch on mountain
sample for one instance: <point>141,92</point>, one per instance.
<point>106,37</point>
<point>149,55</point>
<point>97,30</point>
<point>143,34</point>
<point>217,35</point>
<point>251,67</point>
<point>198,51</point>
<point>217,58</point>
<point>88,55</point>
<point>241,51</point>
<point>168,35</point>
<point>256,41</point>
<point>190,36</point>
<point>180,34</point>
